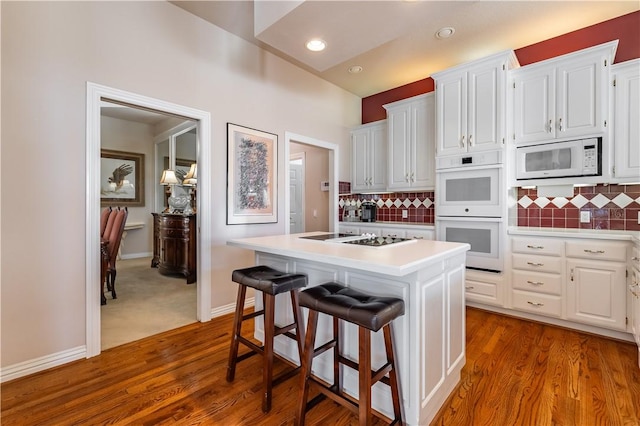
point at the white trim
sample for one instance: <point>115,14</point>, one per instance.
<point>35,365</point>
<point>95,93</point>
<point>231,308</point>
<point>334,154</point>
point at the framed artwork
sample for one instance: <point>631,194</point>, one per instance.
<point>252,173</point>
<point>121,178</point>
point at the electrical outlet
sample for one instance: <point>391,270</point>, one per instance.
<point>585,217</point>
<point>405,214</point>
<point>639,218</point>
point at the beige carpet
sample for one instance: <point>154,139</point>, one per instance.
<point>148,303</point>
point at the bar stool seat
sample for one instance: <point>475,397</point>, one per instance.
<point>270,282</point>
<point>369,313</point>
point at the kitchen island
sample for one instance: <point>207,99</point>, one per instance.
<point>429,339</point>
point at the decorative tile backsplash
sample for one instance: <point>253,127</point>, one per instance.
<point>612,207</point>
<point>419,206</point>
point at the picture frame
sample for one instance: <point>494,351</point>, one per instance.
<point>121,178</point>
<point>252,176</point>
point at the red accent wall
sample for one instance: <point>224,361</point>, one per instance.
<point>625,28</point>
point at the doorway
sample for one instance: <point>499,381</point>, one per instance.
<point>297,192</point>
<point>96,94</point>
<point>330,208</point>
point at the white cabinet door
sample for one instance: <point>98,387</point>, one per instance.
<point>359,159</point>
<point>451,98</point>
<point>485,111</point>
<point>596,293</point>
<point>411,129</point>
<point>378,158</point>
<point>580,101</point>
<point>399,128</point>
<point>626,133</point>
<point>534,105</point>
<point>368,157</point>
<point>423,150</point>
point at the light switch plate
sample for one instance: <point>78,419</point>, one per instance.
<point>405,214</point>
<point>585,217</point>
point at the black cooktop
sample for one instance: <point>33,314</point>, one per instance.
<point>377,241</point>
<point>368,240</point>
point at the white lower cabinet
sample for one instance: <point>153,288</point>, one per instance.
<point>634,297</point>
<point>484,287</point>
<point>580,280</point>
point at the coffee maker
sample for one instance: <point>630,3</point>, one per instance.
<point>369,210</point>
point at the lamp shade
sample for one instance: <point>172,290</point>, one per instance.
<point>191,177</point>
<point>169,178</point>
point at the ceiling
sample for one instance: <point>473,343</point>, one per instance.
<point>394,40</point>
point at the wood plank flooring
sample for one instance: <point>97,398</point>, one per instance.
<point>517,373</point>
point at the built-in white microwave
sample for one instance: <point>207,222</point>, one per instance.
<point>575,158</point>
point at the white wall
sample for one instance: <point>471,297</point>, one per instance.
<point>49,51</point>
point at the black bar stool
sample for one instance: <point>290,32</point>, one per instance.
<point>270,282</point>
<point>370,313</point>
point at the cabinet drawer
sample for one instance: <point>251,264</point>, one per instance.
<point>543,304</point>
<point>485,289</point>
<point>596,249</point>
<point>537,263</point>
<point>547,247</point>
<point>392,232</point>
<point>420,235</point>
<point>537,281</point>
<point>351,230</point>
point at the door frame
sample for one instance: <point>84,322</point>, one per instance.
<point>95,94</point>
<point>334,155</point>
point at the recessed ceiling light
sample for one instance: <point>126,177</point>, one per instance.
<point>355,69</point>
<point>445,32</point>
<point>316,45</point>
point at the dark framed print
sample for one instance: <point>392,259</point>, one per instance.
<point>121,178</point>
<point>252,173</point>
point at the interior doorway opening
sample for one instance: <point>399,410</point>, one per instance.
<point>96,94</point>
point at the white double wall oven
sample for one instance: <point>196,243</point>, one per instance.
<point>470,207</point>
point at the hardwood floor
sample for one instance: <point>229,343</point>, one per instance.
<point>517,373</point>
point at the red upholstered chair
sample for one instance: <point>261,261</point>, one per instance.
<point>104,217</point>
<point>114,237</point>
<point>111,217</point>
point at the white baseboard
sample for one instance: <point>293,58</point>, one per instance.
<point>36,365</point>
<point>230,308</point>
<point>135,255</point>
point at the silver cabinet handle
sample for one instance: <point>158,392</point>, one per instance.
<point>462,144</point>
<point>470,287</point>
<point>412,177</point>
<point>550,128</point>
<point>535,247</point>
<point>406,177</point>
<point>594,251</point>
<point>470,140</point>
<point>535,282</point>
<point>417,238</point>
<point>535,264</point>
<point>560,122</point>
<point>535,303</point>
<point>571,276</point>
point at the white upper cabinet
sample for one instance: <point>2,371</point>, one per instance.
<point>470,105</point>
<point>369,157</point>
<point>411,130</point>
<point>564,97</point>
<point>626,113</point>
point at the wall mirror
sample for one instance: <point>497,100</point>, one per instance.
<point>176,150</point>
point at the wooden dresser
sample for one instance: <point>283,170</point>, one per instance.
<point>174,245</point>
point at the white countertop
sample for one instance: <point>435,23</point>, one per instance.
<point>596,234</point>
<point>396,259</point>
